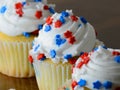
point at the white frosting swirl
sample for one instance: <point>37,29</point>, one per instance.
<point>101,66</point>
<point>83,32</point>
<point>12,24</point>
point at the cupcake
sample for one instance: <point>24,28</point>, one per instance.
<point>19,23</point>
<point>61,40</point>
<point>97,70</point>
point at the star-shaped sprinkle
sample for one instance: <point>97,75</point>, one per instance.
<point>80,64</point>
<point>72,40</point>
<point>68,34</point>
<point>3,9</point>
<point>74,83</point>
<point>68,56</point>
<point>52,53</point>
<point>47,28</point>
<point>49,20</point>
<point>115,53</point>
<point>36,48</point>
<point>51,10</point>
<point>46,7</point>
<point>59,41</point>
<point>83,20</point>
<point>58,24</point>
<point>40,26</point>
<point>74,18</point>
<point>65,14</point>
<point>30,59</point>
<point>41,56</point>
<point>23,3</point>
<point>117,59</point>
<point>107,84</point>
<point>37,0</point>
<point>26,34</point>
<point>72,60</point>
<point>62,19</point>
<point>82,83</point>
<point>18,5</point>
<point>97,84</point>
<point>38,14</point>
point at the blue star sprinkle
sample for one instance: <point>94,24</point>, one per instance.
<point>26,34</point>
<point>117,59</point>
<point>97,85</point>
<point>59,41</point>
<point>68,56</point>
<point>36,48</point>
<point>107,84</point>
<point>3,9</point>
<point>83,19</point>
<point>51,10</point>
<point>65,14</point>
<point>23,3</point>
<point>47,28</point>
<point>37,0</point>
<point>40,26</point>
<point>82,83</point>
<point>52,53</point>
<point>62,19</point>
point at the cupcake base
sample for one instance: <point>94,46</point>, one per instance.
<point>14,56</point>
<point>51,76</point>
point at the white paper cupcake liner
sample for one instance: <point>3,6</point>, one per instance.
<point>51,76</point>
<point>14,59</point>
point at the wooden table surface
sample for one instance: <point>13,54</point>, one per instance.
<point>103,15</point>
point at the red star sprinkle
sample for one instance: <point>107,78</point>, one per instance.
<point>30,59</point>
<point>68,34</point>
<point>49,20</point>
<point>83,56</point>
<point>58,24</point>
<point>80,64</point>
<point>18,5</point>
<point>46,7</point>
<point>115,53</point>
<point>74,18</point>
<point>72,40</point>
<point>38,14</point>
<point>86,60</point>
<point>74,83</point>
<point>73,67</point>
<point>35,32</point>
<point>19,12</point>
<point>40,56</point>
<point>72,60</point>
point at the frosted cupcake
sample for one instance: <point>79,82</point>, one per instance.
<point>19,24</point>
<point>63,37</point>
<point>97,70</point>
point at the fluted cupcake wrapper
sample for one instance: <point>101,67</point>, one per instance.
<point>50,76</point>
<point>14,59</point>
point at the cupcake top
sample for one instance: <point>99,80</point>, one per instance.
<point>21,17</point>
<point>63,36</point>
<point>98,70</point>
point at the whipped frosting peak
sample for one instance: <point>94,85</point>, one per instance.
<point>99,69</point>
<point>64,36</point>
<point>19,16</point>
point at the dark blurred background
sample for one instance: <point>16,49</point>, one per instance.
<point>103,15</point>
